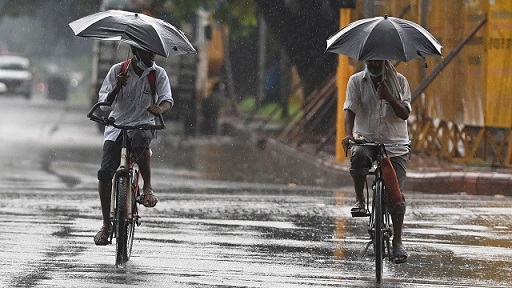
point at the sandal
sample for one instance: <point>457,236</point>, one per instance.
<point>399,254</point>
<point>148,198</point>
<point>101,237</point>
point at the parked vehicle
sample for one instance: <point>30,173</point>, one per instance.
<point>16,75</point>
<point>3,88</point>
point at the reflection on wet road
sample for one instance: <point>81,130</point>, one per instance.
<point>225,219</point>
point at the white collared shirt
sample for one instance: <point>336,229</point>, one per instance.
<point>129,107</point>
<point>375,118</point>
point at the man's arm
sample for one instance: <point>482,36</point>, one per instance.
<point>160,109</point>
<point>120,82</point>
<point>401,110</point>
<point>349,127</point>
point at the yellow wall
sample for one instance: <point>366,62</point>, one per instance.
<point>443,21</point>
<point>474,87</point>
<point>499,67</point>
<point>472,90</point>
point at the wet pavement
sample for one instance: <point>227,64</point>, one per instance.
<point>228,216</point>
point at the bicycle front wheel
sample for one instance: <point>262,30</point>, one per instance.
<point>122,224</point>
<point>378,221</point>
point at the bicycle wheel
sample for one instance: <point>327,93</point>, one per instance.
<point>122,221</point>
<point>378,243</point>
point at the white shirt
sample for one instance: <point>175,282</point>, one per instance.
<point>375,118</point>
<point>129,107</point>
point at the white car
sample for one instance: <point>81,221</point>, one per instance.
<point>16,75</point>
<point>3,88</point>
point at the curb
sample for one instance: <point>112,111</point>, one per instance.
<point>328,173</point>
<point>488,183</point>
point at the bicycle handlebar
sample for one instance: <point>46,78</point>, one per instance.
<point>110,121</point>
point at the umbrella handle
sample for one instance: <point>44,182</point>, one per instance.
<point>423,57</point>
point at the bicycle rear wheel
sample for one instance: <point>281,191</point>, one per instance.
<point>378,221</point>
<point>122,224</point>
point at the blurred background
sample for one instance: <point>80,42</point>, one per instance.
<point>239,62</point>
<point>265,61</point>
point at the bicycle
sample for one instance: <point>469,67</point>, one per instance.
<point>125,195</point>
<point>380,228</point>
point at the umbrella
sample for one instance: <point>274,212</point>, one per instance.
<point>383,38</point>
<point>137,29</point>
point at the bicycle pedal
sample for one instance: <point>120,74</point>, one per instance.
<point>360,213</point>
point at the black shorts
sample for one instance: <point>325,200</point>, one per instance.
<point>137,139</point>
<point>361,161</point>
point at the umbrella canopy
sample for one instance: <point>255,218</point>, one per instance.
<point>383,38</point>
<point>137,29</point>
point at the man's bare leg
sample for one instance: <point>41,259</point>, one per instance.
<point>144,163</point>
<point>399,253</point>
<point>105,189</point>
<point>398,222</point>
<point>359,187</point>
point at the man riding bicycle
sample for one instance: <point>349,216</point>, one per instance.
<point>376,108</point>
<point>135,98</point>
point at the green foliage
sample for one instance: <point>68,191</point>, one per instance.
<point>17,7</point>
<point>237,13</point>
<point>480,163</point>
<point>248,104</point>
<point>28,7</point>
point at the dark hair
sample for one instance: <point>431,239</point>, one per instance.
<point>137,49</point>
<point>133,48</point>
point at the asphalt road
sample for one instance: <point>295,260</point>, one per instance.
<point>226,218</point>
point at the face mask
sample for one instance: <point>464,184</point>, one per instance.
<point>141,63</point>
<point>371,74</point>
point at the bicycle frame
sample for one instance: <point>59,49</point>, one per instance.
<point>123,211</point>
<point>126,167</point>
<point>379,224</point>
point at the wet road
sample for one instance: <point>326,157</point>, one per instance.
<point>226,218</point>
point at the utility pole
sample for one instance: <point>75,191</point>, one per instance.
<point>342,75</point>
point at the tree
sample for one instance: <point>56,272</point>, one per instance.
<point>302,28</point>
<point>43,29</point>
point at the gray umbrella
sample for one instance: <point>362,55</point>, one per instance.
<point>383,38</point>
<point>148,33</point>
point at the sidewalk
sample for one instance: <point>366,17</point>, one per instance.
<point>425,174</point>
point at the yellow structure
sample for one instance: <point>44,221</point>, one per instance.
<point>343,73</point>
<point>499,66</point>
<point>216,57</point>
